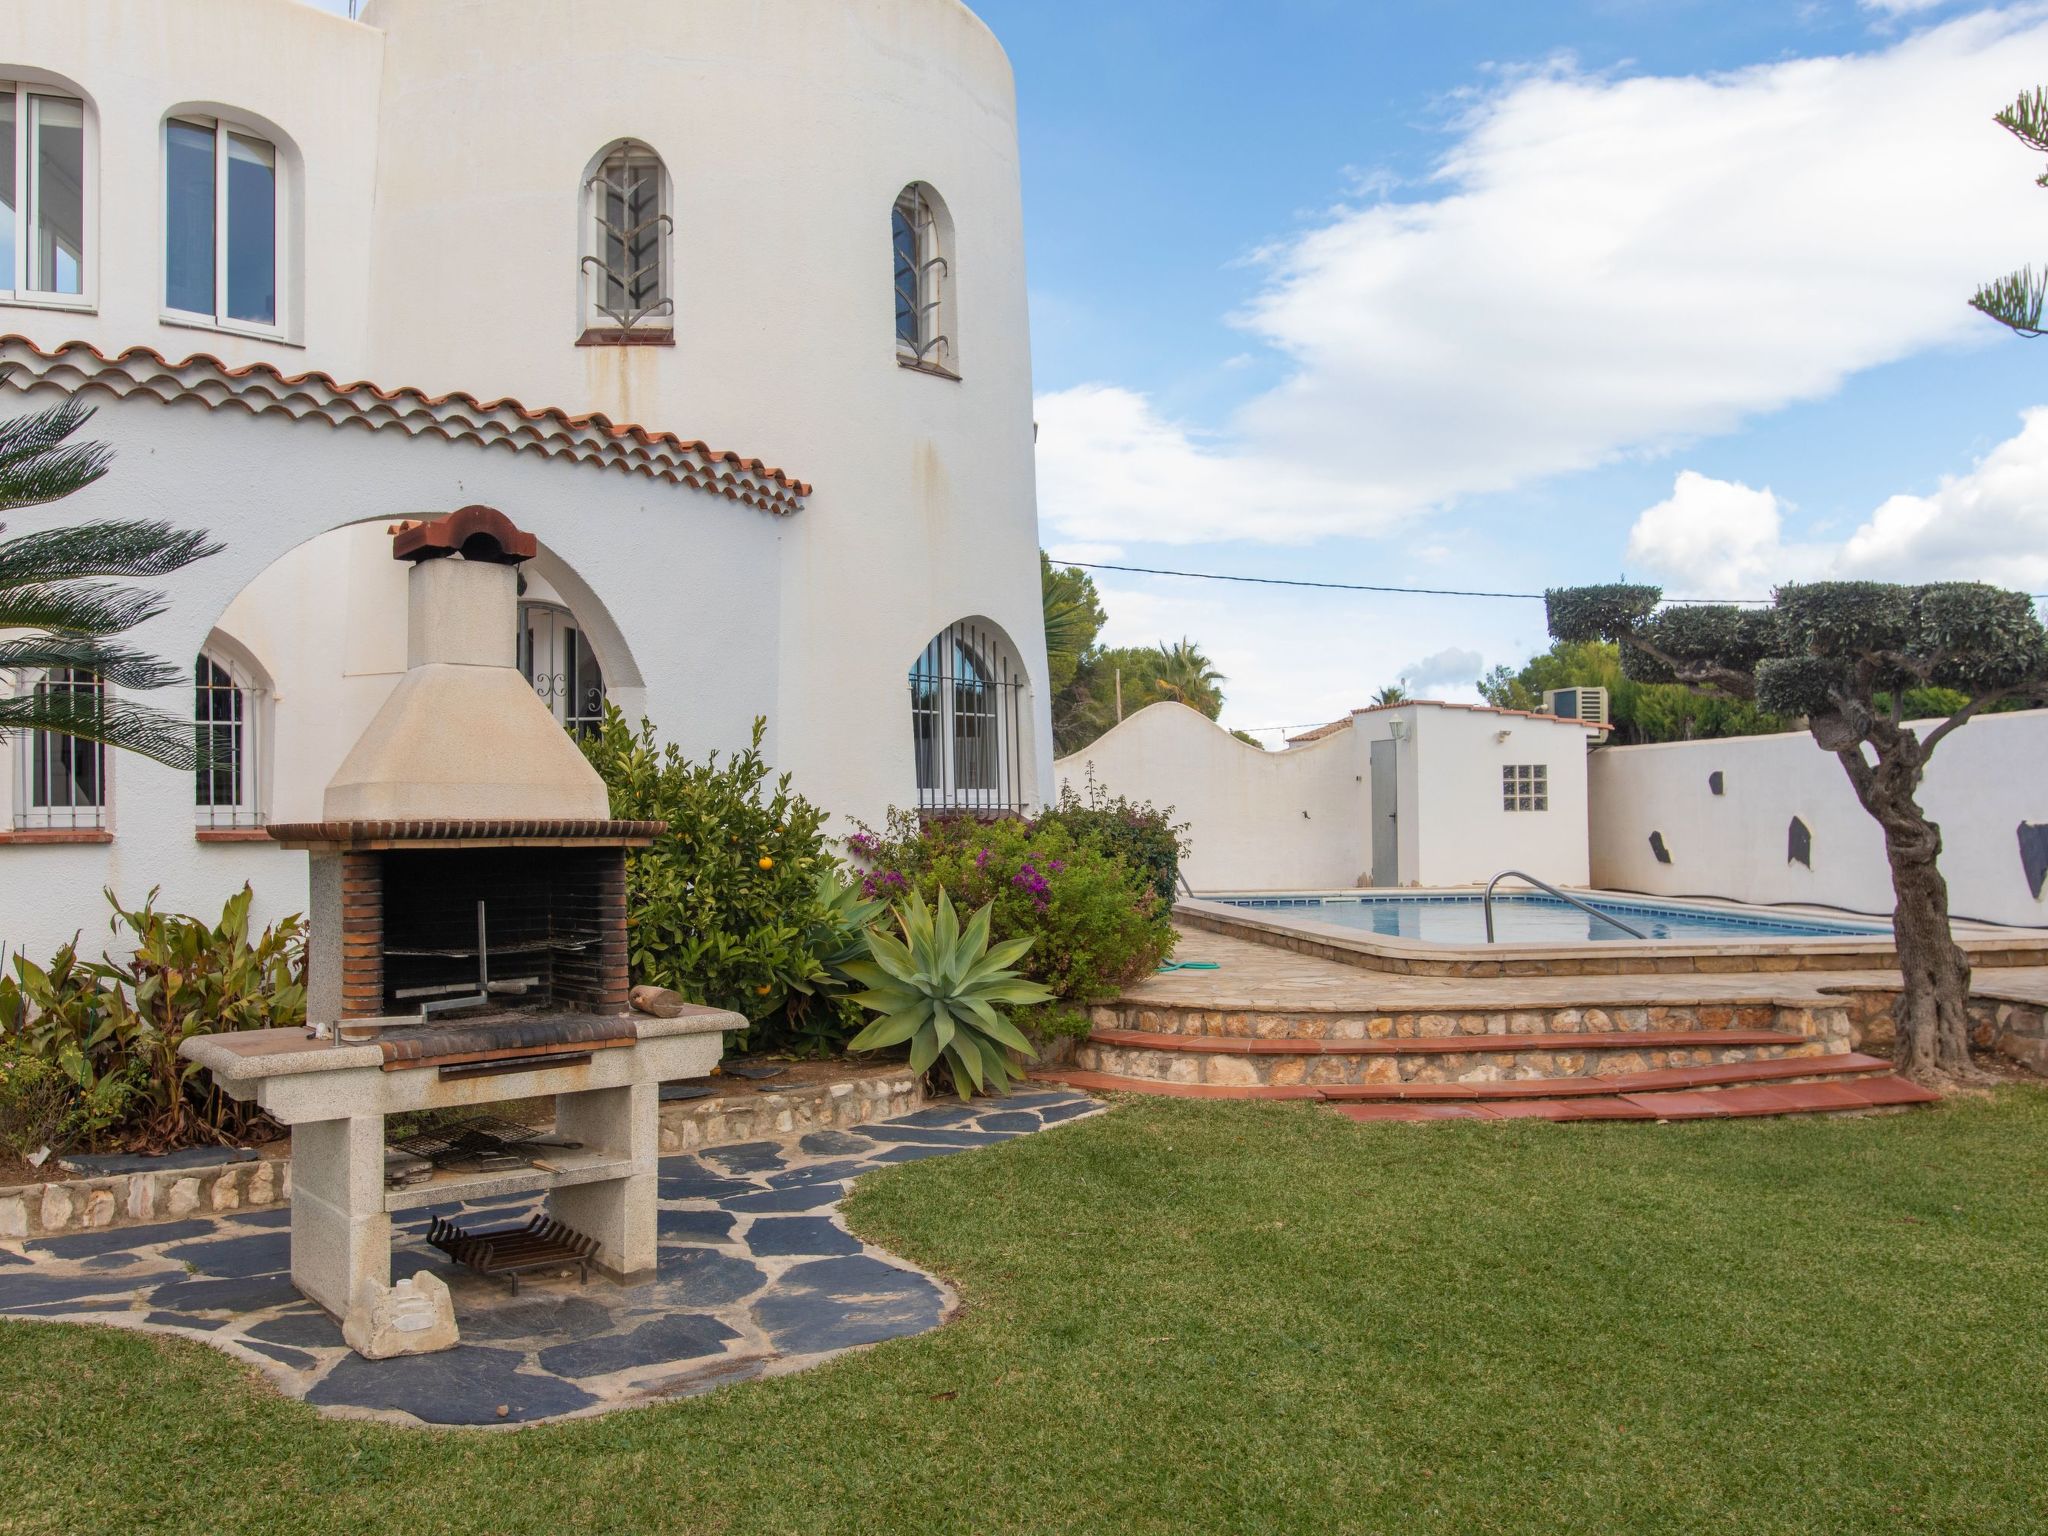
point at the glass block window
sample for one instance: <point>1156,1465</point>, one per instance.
<point>1525,787</point>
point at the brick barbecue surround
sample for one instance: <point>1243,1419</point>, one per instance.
<point>467,945</point>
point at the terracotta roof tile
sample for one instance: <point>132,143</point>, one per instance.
<point>1478,709</point>
<point>262,388</point>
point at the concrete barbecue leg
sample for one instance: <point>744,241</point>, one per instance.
<point>341,1236</point>
<point>619,1213</point>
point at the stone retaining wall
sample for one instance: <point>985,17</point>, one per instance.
<point>129,1199</point>
<point>693,1123</point>
<point>2018,1031</point>
<point>1244,1071</point>
<point>76,1205</point>
<point>1830,1024</point>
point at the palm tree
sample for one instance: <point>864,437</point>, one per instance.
<point>1393,693</point>
<point>1188,677</point>
<point>61,616</point>
<point>1073,617</point>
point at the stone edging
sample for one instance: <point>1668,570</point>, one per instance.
<point>132,1199</point>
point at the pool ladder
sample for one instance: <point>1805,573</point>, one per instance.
<point>1543,885</point>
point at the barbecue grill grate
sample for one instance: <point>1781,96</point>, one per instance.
<point>478,1144</point>
<point>543,1243</point>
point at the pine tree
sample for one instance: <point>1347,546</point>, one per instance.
<point>2019,301</point>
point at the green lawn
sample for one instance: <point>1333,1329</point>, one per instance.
<point>1249,1318</point>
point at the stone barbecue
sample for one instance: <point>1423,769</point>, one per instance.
<point>467,946</point>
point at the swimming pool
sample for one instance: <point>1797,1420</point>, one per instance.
<point>1529,918</point>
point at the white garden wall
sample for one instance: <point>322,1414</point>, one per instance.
<point>1984,781</point>
<point>1301,820</point>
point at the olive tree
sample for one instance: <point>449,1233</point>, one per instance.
<point>1842,654</point>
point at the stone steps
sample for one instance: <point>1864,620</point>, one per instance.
<point>1827,1096</point>
<point>1232,1062</point>
<point>1797,1085</point>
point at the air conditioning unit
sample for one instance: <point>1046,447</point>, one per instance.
<point>1587,704</point>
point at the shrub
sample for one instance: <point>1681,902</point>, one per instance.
<point>724,907</point>
<point>110,1031</point>
<point>937,989</point>
<point>1145,837</point>
<point>35,1103</point>
<point>1095,925</point>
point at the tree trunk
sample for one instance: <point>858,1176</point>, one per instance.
<point>1933,1042</point>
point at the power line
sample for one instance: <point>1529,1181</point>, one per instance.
<point>1356,586</point>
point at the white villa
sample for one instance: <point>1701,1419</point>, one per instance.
<point>321,275</point>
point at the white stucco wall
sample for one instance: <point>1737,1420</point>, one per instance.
<point>1301,819</point>
<point>1983,782</point>
<point>434,158</point>
<point>325,617</point>
<point>1259,821</point>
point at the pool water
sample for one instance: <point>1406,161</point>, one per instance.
<point>1537,919</point>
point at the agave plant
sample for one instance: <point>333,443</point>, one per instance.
<point>939,987</point>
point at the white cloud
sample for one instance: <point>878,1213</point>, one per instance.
<point>1608,266</point>
<point>1719,538</point>
<point>1451,669</point>
<point>1902,7</point>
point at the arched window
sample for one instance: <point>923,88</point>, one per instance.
<point>43,203</point>
<point>227,714</point>
<point>626,285</point>
<point>921,236</point>
<point>556,657</point>
<point>222,254</point>
<point>965,724</point>
<point>60,782</point>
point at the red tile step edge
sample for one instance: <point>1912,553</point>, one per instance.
<point>1832,1097</point>
<point>1444,1045</point>
<point>1663,1079</point>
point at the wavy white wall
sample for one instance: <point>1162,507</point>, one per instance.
<point>1982,783</point>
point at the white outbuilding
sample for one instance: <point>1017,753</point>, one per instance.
<point>725,303</point>
<point>1423,793</point>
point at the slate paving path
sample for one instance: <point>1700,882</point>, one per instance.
<point>757,1271</point>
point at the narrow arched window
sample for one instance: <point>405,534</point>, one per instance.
<point>921,238</point>
<point>222,255</point>
<point>626,265</point>
<point>227,712</point>
<point>44,206</point>
<point>60,780</point>
<point>966,724</point>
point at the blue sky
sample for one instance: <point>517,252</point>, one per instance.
<point>1504,295</point>
<point>1815,189</point>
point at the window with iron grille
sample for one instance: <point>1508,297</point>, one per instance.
<point>924,275</point>
<point>1525,787</point>
<point>556,657</point>
<point>226,714</point>
<point>626,273</point>
<point>965,710</point>
<point>60,782</point>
